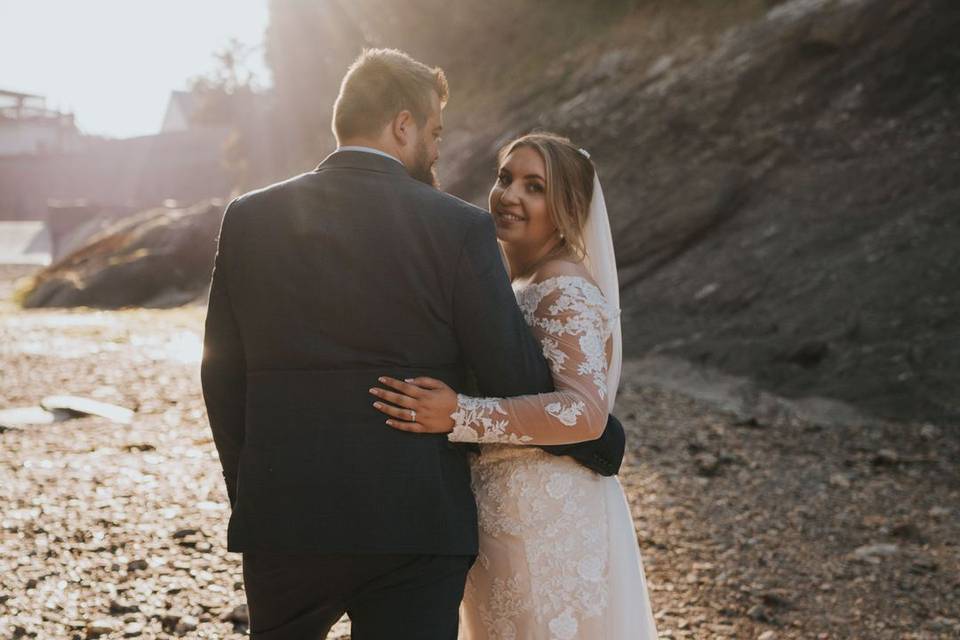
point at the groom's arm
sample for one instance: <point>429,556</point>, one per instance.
<point>497,344</point>
<point>223,370</point>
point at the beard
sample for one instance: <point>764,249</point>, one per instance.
<point>423,169</point>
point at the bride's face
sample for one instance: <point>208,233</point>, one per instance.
<point>518,200</point>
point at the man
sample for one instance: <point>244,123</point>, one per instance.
<point>323,283</point>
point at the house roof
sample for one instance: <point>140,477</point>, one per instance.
<point>15,94</point>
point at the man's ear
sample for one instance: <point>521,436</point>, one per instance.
<point>402,127</point>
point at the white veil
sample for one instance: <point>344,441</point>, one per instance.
<point>602,265</point>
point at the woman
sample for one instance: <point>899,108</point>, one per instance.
<point>558,555</point>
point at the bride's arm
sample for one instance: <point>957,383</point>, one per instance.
<point>570,322</point>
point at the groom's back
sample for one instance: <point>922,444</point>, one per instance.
<point>357,265</point>
<point>334,278</point>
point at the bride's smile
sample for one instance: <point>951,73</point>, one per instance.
<point>507,218</point>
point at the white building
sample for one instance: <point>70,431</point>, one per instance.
<point>180,112</point>
<point>27,126</point>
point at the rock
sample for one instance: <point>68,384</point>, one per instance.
<point>924,566</point>
<point>767,635</point>
<point>26,416</point>
<point>99,627</point>
<point>885,457</point>
<point>873,552</point>
<point>907,531</point>
<point>775,599</point>
<point>133,629</point>
<point>840,480</point>
<point>170,620</point>
<point>119,607</point>
<point>137,565</point>
<point>707,464</point>
<point>759,613</point>
<point>78,407</point>
<point>930,432</point>
<point>238,615</point>
<point>938,512</point>
<point>186,624</point>
<point>161,256</point>
<point>139,446</point>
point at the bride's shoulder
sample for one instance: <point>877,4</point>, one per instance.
<point>563,271</point>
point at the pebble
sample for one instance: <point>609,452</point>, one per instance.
<point>99,627</point>
<point>872,552</point>
<point>238,615</point>
<point>185,624</point>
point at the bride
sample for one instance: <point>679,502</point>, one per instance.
<point>558,555</point>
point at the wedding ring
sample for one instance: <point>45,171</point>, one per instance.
<point>413,415</point>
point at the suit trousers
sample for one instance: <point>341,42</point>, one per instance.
<point>300,596</point>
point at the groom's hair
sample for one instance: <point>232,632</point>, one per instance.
<point>380,84</point>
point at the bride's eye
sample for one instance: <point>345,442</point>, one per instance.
<point>503,179</point>
<point>535,187</point>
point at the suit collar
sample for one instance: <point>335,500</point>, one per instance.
<point>362,160</point>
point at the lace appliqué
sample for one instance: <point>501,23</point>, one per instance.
<point>506,603</point>
<point>476,420</point>
<point>567,414</point>
<point>554,354</point>
<point>590,320</point>
<point>541,503</point>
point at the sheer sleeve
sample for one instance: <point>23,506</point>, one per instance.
<point>570,318</point>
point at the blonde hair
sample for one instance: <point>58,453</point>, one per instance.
<point>380,84</point>
<point>569,183</point>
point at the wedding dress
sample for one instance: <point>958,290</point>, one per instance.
<point>558,554</point>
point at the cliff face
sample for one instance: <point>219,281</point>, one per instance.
<point>784,193</point>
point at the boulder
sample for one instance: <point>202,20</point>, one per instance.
<point>160,257</point>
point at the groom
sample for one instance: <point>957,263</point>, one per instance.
<point>322,283</point>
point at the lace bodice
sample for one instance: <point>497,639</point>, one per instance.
<point>572,320</point>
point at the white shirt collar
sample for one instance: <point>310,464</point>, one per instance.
<point>351,147</point>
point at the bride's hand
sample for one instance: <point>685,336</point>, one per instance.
<point>421,405</point>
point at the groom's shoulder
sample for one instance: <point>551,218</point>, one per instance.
<point>266,194</point>
<point>263,198</point>
<point>452,210</point>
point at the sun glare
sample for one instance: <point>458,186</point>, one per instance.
<point>113,63</point>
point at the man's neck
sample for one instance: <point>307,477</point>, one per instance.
<point>370,144</point>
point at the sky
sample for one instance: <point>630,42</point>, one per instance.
<point>113,63</point>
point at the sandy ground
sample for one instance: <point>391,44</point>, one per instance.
<point>747,531</point>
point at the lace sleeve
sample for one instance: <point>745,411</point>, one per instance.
<point>571,319</point>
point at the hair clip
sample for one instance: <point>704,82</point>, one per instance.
<point>584,152</point>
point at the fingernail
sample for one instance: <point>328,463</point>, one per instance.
<point>389,422</point>
<point>408,380</point>
<point>377,405</point>
<point>381,379</point>
<point>373,391</point>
